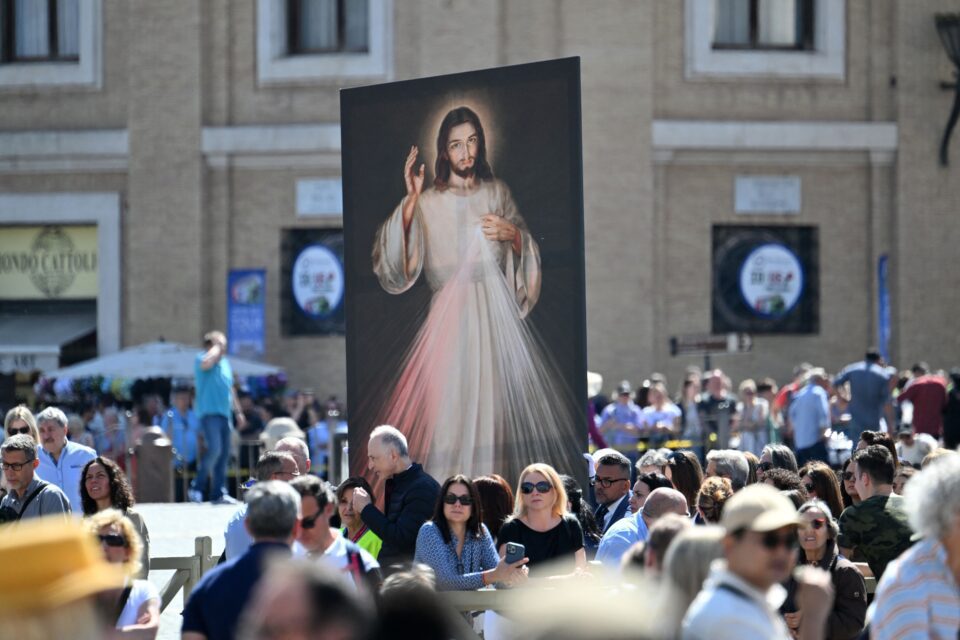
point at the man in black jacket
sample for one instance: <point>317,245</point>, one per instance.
<point>410,496</point>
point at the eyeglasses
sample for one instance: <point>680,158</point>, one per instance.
<point>16,466</point>
<point>113,540</point>
<point>765,466</point>
<point>541,487</point>
<point>772,541</point>
<point>809,487</point>
<point>816,523</point>
<point>309,523</point>
<point>454,499</point>
<point>18,431</point>
<point>848,475</point>
<point>606,483</point>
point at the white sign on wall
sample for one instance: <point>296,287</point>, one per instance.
<point>320,197</point>
<point>771,280</point>
<point>767,194</point>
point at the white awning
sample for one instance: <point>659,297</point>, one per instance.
<point>32,342</point>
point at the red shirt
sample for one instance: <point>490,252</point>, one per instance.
<point>929,397</point>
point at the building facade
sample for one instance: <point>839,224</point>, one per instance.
<point>181,131</point>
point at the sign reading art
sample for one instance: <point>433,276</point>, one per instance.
<point>48,262</point>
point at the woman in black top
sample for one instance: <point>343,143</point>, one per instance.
<point>541,523</point>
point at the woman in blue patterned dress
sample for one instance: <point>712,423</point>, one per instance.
<point>457,545</point>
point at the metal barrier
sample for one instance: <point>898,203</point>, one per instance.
<point>187,570</point>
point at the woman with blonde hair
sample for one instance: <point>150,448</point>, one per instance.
<point>541,523</point>
<point>20,420</point>
<point>137,607</point>
<point>713,494</point>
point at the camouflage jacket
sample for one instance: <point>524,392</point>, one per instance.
<point>878,529</point>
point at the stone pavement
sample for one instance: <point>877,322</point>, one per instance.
<point>173,528</point>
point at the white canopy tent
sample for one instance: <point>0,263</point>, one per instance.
<point>155,360</point>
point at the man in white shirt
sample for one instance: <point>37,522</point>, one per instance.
<point>61,461</point>
<point>742,594</point>
<point>913,448</point>
<point>325,543</point>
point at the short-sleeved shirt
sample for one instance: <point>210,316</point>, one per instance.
<point>558,544</point>
<point>366,540</point>
<point>869,393</point>
<point>140,591</point>
<point>49,501</point>
<point>878,529</point>
<point>668,413</point>
<point>929,397</point>
<point>182,430</point>
<point>214,388</point>
<point>810,415</point>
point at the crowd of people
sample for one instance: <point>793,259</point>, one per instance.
<point>731,517</point>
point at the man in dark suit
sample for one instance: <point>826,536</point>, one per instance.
<point>410,496</point>
<point>612,488</point>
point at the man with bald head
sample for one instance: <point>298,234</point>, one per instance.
<point>298,449</point>
<point>636,528</point>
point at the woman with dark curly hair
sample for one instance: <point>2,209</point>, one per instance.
<point>104,486</point>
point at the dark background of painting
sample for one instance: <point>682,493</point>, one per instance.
<point>731,246</point>
<point>535,149</point>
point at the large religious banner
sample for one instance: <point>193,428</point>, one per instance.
<point>463,225</point>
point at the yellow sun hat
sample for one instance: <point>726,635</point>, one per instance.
<point>50,562</point>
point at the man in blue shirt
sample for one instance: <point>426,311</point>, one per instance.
<point>870,395</point>
<point>810,417</point>
<point>626,532</point>
<point>214,404</point>
<point>182,426</point>
<point>621,421</point>
<point>61,461</point>
<point>221,596</point>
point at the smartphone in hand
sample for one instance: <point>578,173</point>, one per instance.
<point>515,552</point>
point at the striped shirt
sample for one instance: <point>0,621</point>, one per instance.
<point>918,597</point>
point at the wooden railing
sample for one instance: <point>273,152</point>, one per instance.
<point>187,570</point>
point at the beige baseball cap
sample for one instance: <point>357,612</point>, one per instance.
<point>758,507</point>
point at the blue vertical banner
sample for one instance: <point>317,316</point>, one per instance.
<point>245,312</point>
<point>883,308</point>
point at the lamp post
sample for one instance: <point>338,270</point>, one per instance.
<point>948,26</point>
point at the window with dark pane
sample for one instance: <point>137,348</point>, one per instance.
<point>764,24</point>
<point>39,31</point>
<point>327,26</point>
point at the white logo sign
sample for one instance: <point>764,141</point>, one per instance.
<point>771,280</point>
<point>317,281</point>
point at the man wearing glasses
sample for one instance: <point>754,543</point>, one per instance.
<point>29,496</point>
<point>611,486</point>
<point>741,595</point>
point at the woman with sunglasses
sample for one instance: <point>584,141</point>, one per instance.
<point>848,487</point>
<point>103,486</point>
<point>821,483</point>
<point>20,420</point>
<point>457,545</point>
<point>818,547</point>
<point>136,608</point>
<point>541,523</point>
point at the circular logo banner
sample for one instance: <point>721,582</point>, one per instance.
<point>317,281</point>
<point>771,280</point>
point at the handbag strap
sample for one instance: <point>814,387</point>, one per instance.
<point>26,503</point>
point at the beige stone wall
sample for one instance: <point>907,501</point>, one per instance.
<point>173,67</point>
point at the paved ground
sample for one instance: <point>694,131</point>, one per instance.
<point>173,528</point>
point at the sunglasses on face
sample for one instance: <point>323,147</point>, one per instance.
<point>765,466</point>
<point>541,487</point>
<point>808,487</point>
<point>771,541</point>
<point>606,483</point>
<point>848,475</point>
<point>13,431</point>
<point>309,523</point>
<point>816,524</point>
<point>113,540</point>
<point>16,466</point>
<point>465,500</point>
